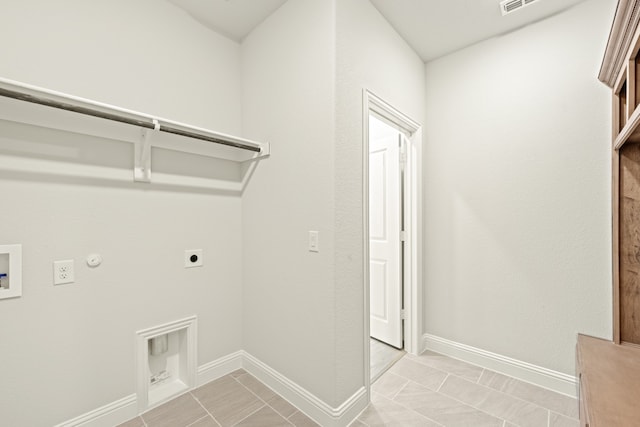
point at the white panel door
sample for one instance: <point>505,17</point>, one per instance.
<point>385,265</point>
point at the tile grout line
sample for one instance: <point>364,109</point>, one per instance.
<point>411,410</point>
<point>480,376</point>
<point>205,409</point>
<point>199,419</point>
<point>441,384</point>
<point>399,390</point>
<point>264,401</point>
<point>252,413</point>
<point>544,390</point>
<point>491,389</point>
<point>464,403</point>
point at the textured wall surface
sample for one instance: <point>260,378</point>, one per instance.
<point>372,56</point>
<point>70,349</point>
<point>517,190</point>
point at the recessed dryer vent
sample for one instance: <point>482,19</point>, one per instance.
<point>509,6</point>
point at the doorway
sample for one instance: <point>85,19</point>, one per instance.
<point>392,238</point>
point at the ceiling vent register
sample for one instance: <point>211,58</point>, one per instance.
<point>510,6</point>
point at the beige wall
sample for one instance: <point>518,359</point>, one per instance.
<point>517,190</point>
<point>69,349</point>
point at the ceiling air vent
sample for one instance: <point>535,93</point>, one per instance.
<point>508,6</point>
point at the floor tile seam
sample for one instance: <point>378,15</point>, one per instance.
<point>412,410</point>
<point>506,394</point>
<point>442,383</point>
<point>267,403</point>
<point>455,360</point>
<point>248,415</point>
<point>409,379</point>
<point>298,410</point>
<point>427,366</point>
<point>551,411</point>
<point>198,420</point>
<point>253,392</point>
<point>460,401</point>
<point>504,387</point>
<point>549,419</point>
<point>143,421</point>
<point>480,376</point>
<point>401,388</point>
<point>362,422</point>
<point>489,413</point>
<point>203,407</point>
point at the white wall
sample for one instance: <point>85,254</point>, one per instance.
<point>517,190</point>
<point>288,292</point>
<point>370,55</point>
<point>69,349</point>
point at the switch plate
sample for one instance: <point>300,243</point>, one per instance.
<point>63,272</point>
<point>314,241</point>
<point>193,258</point>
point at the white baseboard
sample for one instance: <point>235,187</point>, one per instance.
<point>315,408</point>
<point>122,410</point>
<point>543,377</point>
<point>219,368</point>
<point>108,415</point>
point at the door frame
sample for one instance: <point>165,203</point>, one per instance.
<point>412,262</point>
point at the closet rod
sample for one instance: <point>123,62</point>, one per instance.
<point>117,118</point>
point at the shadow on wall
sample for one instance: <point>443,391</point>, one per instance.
<point>38,154</point>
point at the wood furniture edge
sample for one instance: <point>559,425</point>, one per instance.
<point>625,24</point>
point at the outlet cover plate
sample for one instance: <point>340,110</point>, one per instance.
<point>193,258</point>
<point>63,272</point>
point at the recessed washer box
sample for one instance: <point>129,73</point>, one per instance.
<point>10,271</point>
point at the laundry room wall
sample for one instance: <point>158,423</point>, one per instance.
<point>69,349</point>
<point>517,190</point>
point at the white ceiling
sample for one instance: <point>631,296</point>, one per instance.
<point>436,27</point>
<point>232,18</point>
<point>431,27</point>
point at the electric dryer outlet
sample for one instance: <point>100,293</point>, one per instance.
<point>193,258</point>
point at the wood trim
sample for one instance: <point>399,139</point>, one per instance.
<point>625,24</point>
<point>631,130</point>
<point>615,191</point>
<point>631,86</point>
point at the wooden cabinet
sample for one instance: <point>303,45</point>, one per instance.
<point>609,371</point>
<point>621,72</point>
<point>609,383</point>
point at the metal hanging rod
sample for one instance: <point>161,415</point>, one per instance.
<point>61,101</point>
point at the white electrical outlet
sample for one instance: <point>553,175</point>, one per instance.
<point>193,258</point>
<point>63,272</point>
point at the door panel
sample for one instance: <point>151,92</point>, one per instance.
<point>384,233</point>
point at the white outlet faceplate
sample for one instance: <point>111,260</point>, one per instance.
<point>314,241</point>
<point>63,272</point>
<point>193,258</point>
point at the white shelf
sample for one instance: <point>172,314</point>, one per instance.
<point>152,131</point>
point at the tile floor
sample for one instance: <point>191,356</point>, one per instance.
<point>382,357</point>
<point>435,390</point>
<point>426,390</point>
<point>237,399</point>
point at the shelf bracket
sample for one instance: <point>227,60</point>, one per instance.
<point>142,154</point>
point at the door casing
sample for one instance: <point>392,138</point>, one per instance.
<point>412,262</point>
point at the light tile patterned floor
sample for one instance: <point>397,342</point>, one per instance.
<point>427,390</point>
<point>435,390</point>
<point>237,399</point>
